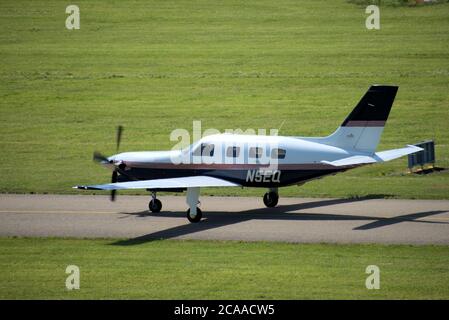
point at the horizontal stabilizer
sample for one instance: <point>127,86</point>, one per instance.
<point>170,183</point>
<point>397,153</point>
<point>377,157</point>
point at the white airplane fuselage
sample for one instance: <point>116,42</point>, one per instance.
<point>301,161</point>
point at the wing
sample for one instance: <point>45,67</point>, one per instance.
<point>377,157</point>
<point>184,182</point>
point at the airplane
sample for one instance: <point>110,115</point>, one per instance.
<point>239,160</point>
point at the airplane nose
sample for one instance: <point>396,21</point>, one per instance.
<point>114,158</point>
<point>117,161</point>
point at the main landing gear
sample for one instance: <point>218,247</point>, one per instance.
<point>271,198</point>
<point>194,218</point>
<point>194,213</point>
<point>155,205</point>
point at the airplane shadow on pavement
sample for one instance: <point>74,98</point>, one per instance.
<point>218,219</point>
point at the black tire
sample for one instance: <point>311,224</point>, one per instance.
<point>197,218</point>
<point>155,205</point>
<point>270,199</point>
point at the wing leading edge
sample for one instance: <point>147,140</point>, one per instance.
<point>184,182</point>
<point>376,157</point>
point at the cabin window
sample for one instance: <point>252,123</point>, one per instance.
<point>233,152</point>
<point>206,150</point>
<point>255,152</point>
<point>278,153</point>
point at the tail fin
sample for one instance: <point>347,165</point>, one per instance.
<point>362,129</point>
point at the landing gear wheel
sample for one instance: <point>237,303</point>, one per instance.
<point>155,205</point>
<point>270,199</point>
<point>197,218</point>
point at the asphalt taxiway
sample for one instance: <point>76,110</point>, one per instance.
<point>366,220</point>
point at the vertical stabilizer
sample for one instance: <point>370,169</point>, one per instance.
<point>362,129</point>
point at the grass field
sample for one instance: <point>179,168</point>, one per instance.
<point>155,66</point>
<point>35,268</point>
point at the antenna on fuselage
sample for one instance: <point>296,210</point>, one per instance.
<point>280,127</point>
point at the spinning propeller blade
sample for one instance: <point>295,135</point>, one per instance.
<point>119,137</point>
<point>99,157</point>
<point>113,180</point>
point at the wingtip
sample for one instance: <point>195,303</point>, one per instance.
<point>80,187</point>
<point>415,147</point>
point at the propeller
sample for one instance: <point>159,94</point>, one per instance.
<point>118,137</point>
<point>100,158</point>
<point>114,180</point>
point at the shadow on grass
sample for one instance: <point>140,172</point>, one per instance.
<point>428,170</point>
<point>218,219</point>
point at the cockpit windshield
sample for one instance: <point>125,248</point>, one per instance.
<point>204,149</point>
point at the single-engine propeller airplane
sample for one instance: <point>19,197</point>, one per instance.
<point>236,160</point>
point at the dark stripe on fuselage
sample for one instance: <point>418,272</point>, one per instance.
<point>283,175</point>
